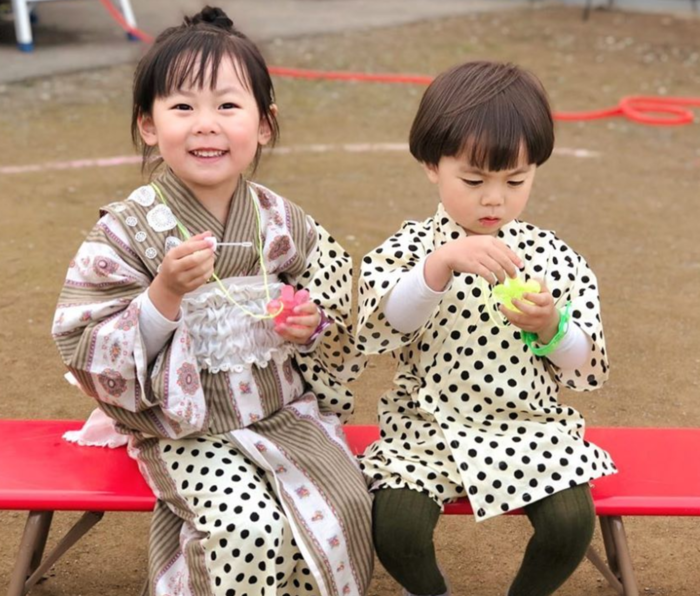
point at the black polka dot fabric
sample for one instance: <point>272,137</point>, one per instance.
<point>473,412</point>
<point>234,521</point>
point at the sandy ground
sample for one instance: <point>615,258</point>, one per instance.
<point>631,209</point>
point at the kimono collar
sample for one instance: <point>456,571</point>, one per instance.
<point>447,229</point>
<point>187,207</point>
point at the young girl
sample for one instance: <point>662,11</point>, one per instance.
<point>162,320</point>
<point>474,412</point>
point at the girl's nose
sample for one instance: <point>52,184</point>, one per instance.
<point>206,124</point>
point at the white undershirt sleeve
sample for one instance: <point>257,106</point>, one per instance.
<point>155,328</point>
<point>573,350</point>
<point>409,305</point>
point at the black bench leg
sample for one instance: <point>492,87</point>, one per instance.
<point>31,548</point>
<point>617,550</point>
<point>607,573</point>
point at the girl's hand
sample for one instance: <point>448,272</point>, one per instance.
<point>184,268</point>
<point>299,327</point>
<point>540,317</point>
<point>485,256</point>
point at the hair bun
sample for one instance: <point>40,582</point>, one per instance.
<point>212,16</point>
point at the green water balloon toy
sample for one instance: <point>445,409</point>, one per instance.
<point>514,289</point>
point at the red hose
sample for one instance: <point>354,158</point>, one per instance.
<point>636,108</point>
<point>117,16</point>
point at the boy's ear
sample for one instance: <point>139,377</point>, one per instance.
<point>431,171</point>
<point>265,131</point>
<point>147,129</point>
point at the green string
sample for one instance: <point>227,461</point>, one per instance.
<point>186,234</point>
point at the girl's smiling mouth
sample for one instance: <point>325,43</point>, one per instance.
<point>208,153</point>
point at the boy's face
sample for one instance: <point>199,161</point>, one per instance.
<point>482,201</point>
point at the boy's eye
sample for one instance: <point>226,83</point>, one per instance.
<point>471,182</point>
<point>516,182</point>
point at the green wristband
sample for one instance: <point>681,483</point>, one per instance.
<point>544,350</point>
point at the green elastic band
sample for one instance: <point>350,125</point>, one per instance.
<point>544,350</point>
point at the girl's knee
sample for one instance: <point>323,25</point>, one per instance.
<point>261,530</point>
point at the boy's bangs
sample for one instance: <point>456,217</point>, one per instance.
<point>496,135</point>
<point>198,63</point>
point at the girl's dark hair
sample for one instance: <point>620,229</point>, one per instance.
<point>191,52</point>
<point>485,111</point>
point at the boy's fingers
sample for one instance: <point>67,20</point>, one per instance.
<point>495,267</point>
<point>538,299</point>
<point>525,308</point>
<point>510,255</point>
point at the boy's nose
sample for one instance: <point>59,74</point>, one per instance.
<point>491,198</point>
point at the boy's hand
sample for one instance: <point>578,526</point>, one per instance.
<point>540,317</point>
<point>485,256</point>
<point>300,326</point>
<point>184,268</point>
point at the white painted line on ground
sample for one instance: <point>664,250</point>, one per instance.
<point>121,160</point>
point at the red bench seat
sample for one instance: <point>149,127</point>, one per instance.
<point>41,473</point>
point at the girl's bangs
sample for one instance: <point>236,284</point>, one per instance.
<point>193,66</point>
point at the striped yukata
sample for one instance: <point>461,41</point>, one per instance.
<point>237,432</point>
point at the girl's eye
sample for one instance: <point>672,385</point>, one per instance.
<point>228,106</point>
<point>471,182</point>
<point>182,106</point>
<point>516,182</point>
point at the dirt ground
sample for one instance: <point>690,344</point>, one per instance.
<point>631,208</point>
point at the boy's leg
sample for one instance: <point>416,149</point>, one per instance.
<point>564,525</point>
<point>403,525</point>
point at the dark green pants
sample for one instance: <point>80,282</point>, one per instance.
<point>404,521</point>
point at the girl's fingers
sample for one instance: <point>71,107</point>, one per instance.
<point>192,261</point>
<point>306,308</point>
<point>294,334</point>
<point>310,321</point>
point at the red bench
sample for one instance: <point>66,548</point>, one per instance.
<point>41,473</point>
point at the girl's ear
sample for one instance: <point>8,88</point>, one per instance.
<point>431,171</point>
<point>265,131</point>
<point>147,129</point>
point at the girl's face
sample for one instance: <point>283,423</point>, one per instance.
<point>482,201</point>
<point>207,136</point>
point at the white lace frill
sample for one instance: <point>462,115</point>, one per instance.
<point>224,337</point>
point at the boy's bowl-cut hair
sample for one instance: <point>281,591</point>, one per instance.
<point>487,112</point>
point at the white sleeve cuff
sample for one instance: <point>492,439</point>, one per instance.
<point>409,305</point>
<point>155,328</point>
<point>573,350</point>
